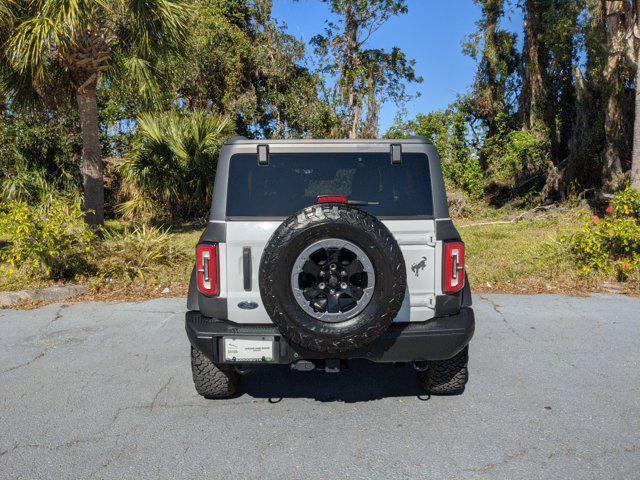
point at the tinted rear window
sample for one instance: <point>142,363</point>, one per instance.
<point>293,181</point>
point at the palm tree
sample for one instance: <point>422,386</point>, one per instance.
<point>172,164</point>
<point>79,42</point>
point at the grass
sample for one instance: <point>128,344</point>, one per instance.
<point>529,256</point>
<point>523,255</point>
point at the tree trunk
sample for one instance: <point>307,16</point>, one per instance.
<point>581,122</point>
<point>533,99</point>
<point>493,102</point>
<point>612,12</point>
<point>91,166</point>
<point>612,126</point>
<point>562,81</point>
<point>355,122</point>
<point>350,127</point>
<point>350,66</point>
<point>635,158</point>
<point>370,127</point>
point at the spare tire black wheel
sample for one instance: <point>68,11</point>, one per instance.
<point>332,278</point>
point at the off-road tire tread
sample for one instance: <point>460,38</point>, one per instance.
<point>333,213</point>
<point>211,380</point>
<point>446,377</point>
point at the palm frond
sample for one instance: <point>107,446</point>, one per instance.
<point>151,128</point>
<point>32,44</point>
<point>174,161</point>
<point>140,73</point>
<point>7,9</point>
<point>157,26</point>
<point>70,13</point>
<point>17,87</point>
<point>139,208</point>
<point>28,186</point>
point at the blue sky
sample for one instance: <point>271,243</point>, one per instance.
<point>431,34</point>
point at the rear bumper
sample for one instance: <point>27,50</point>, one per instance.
<point>435,339</point>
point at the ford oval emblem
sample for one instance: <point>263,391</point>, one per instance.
<point>248,305</point>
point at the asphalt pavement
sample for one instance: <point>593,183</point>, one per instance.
<point>99,390</point>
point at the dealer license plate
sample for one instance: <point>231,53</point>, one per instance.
<point>248,349</point>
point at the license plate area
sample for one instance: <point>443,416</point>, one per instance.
<point>248,349</point>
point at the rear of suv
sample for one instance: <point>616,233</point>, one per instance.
<point>321,251</point>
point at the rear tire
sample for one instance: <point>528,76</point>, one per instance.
<point>446,377</point>
<point>211,380</point>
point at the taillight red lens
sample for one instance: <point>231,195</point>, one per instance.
<point>453,267</point>
<point>207,269</point>
<point>331,199</point>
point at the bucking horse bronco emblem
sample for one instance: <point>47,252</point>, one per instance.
<point>421,265</point>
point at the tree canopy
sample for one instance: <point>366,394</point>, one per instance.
<point>552,110</point>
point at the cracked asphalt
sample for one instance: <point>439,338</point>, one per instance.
<point>99,390</point>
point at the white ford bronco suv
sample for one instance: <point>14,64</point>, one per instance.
<point>321,251</point>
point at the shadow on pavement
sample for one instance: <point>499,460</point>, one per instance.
<point>363,381</point>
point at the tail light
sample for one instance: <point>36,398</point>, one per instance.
<point>207,269</point>
<point>453,267</point>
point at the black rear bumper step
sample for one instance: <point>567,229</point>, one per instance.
<point>435,339</point>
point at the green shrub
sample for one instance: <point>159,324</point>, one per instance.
<point>138,253</point>
<point>612,242</point>
<point>171,165</point>
<point>45,241</point>
<point>467,175</point>
<point>36,141</point>
<point>626,203</point>
<point>518,158</point>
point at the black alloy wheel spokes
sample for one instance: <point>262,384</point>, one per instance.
<point>333,280</point>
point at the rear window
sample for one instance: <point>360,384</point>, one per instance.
<point>293,181</point>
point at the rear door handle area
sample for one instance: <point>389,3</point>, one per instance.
<point>246,268</point>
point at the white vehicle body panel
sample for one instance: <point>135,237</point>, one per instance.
<point>416,239</point>
<point>255,236</point>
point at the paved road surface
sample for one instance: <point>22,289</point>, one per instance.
<point>104,391</point>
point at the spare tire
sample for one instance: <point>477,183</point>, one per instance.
<point>332,278</point>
